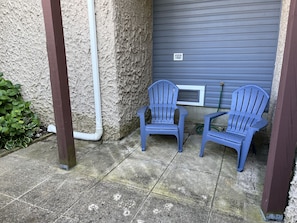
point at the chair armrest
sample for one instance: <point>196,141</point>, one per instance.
<point>214,115</point>
<point>142,110</point>
<point>255,128</point>
<point>259,124</point>
<point>141,114</point>
<point>182,111</point>
<point>209,117</point>
<point>182,115</point>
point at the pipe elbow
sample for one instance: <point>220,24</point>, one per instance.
<point>88,136</point>
<point>80,135</point>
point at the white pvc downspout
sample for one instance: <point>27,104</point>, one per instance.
<point>96,82</point>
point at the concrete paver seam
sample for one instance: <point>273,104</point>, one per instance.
<point>150,192</point>
<point>215,190</point>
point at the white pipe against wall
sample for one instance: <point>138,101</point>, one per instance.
<point>96,82</point>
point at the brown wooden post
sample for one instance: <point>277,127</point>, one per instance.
<point>284,130</point>
<point>59,82</point>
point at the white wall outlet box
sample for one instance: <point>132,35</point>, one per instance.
<point>178,56</point>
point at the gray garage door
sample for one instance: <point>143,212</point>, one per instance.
<point>209,42</point>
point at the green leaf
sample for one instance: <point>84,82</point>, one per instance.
<point>18,123</point>
<point>9,145</point>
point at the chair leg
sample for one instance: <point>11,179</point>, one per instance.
<point>143,141</point>
<point>180,144</point>
<point>242,157</point>
<point>239,164</point>
<point>180,140</point>
<point>202,147</point>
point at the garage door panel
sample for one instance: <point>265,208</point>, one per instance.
<point>200,59</point>
<point>253,29</point>
<point>231,41</point>
<point>210,44</point>
<point>217,50</point>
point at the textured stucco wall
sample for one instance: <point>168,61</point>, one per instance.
<point>124,42</point>
<point>78,54</point>
<point>291,210</point>
<point>279,59</point>
<point>107,67</point>
<point>24,57</point>
<point>124,52</point>
<point>133,58</point>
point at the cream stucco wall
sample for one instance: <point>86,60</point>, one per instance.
<point>279,59</point>
<point>124,48</point>
<point>291,209</point>
<point>23,56</point>
<point>132,54</point>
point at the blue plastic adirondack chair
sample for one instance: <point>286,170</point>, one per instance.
<point>163,97</point>
<point>245,118</point>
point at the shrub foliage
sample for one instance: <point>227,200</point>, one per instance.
<point>18,123</point>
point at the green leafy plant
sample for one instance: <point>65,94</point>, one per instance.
<point>18,123</point>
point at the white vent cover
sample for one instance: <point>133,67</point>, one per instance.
<point>199,88</point>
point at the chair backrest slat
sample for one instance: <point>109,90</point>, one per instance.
<point>163,97</point>
<point>248,105</point>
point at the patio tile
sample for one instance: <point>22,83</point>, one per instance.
<point>209,164</point>
<point>193,145</point>
<point>139,173</point>
<point>4,200</point>
<point>17,212</point>
<point>59,192</point>
<point>190,159</point>
<point>251,180</point>
<point>161,209</point>
<point>155,142</point>
<point>85,146</point>
<point>63,219</point>
<point>252,169</point>
<point>241,197</point>
<point>132,141</point>
<point>217,217</point>
<point>187,185</point>
<point>107,202</point>
<point>160,149</point>
<point>253,216</point>
<point>25,175</point>
<point>228,198</point>
<point>47,150</point>
<point>100,161</point>
<point>44,151</point>
<point>8,163</point>
<point>190,127</point>
<point>229,165</point>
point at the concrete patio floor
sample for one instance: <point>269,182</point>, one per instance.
<point>117,182</point>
